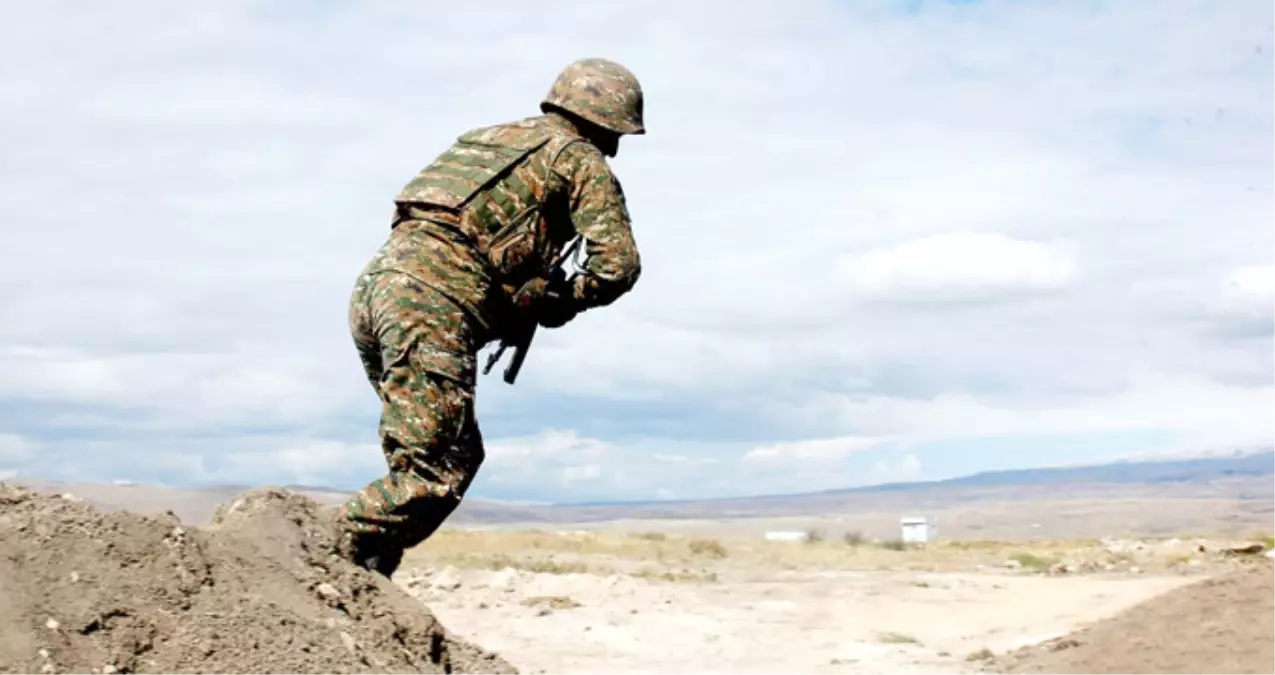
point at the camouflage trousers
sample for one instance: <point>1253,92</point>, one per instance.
<point>415,345</point>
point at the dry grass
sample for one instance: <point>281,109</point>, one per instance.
<point>707,547</point>
<point>1031,561</point>
<point>556,602</point>
<point>676,558</point>
<point>893,638</point>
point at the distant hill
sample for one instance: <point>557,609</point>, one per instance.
<point>1195,470</point>
<point>1245,476</point>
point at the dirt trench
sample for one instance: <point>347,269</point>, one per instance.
<point>1220,625</point>
<point>258,590</point>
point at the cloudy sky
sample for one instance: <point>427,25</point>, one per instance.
<point>881,240</point>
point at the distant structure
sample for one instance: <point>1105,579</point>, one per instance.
<point>786,536</point>
<point>916,529</point>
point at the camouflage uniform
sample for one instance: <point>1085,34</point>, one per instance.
<point>472,228</point>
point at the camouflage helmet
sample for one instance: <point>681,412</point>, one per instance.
<point>601,91</point>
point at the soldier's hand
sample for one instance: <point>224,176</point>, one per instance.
<point>556,310</point>
<point>530,294</point>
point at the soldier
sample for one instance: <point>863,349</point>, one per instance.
<point>467,261</point>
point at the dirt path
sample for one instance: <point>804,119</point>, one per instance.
<point>841,622</point>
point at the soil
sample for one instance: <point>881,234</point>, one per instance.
<point>1220,625</point>
<point>257,590</point>
<point>757,619</point>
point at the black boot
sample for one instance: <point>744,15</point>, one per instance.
<point>371,551</point>
<point>377,553</point>
<point>384,560</point>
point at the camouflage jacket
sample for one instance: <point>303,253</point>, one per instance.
<point>492,212</point>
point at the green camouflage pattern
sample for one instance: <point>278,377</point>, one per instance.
<point>484,219</point>
<point>474,162</point>
<point>413,342</point>
<point>601,91</point>
<point>508,232</point>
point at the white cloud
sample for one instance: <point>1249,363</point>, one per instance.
<point>1249,292</point>
<point>185,389</point>
<point>904,468</point>
<point>823,449</point>
<point>1200,410</point>
<point>547,445</point>
<point>961,265</point>
<point>583,472</point>
<point>221,173</point>
<point>15,449</point>
<point>549,462</point>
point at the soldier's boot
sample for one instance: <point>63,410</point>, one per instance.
<point>372,551</point>
<point>383,558</point>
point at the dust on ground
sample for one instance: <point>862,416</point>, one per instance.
<point>258,590</point>
<point>834,622</point>
<point>1220,625</point>
<point>648,602</point>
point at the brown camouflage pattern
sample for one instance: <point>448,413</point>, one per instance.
<point>413,342</point>
<point>601,91</point>
<point>505,234</point>
<point>484,219</point>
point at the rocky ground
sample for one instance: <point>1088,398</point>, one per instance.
<point>749,620</point>
<point>258,590</point>
<point>834,622</point>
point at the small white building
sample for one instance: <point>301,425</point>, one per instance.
<point>786,536</point>
<point>915,529</point>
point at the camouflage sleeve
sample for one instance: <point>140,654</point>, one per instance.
<point>599,213</point>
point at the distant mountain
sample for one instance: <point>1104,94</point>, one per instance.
<point>1196,470</point>
<point>1244,476</point>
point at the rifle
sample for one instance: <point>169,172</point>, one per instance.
<point>520,338</point>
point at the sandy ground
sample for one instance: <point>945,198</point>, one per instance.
<point>628,597</point>
<point>832,622</point>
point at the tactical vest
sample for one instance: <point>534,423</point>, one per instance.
<point>500,198</point>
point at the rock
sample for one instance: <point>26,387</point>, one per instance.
<point>348,641</point>
<point>44,653</point>
<point>327,591</point>
<point>1269,554</point>
<point>983,654</point>
<point>109,669</point>
<point>1013,564</point>
<point>1135,570</point>
<point>51,624</point>
<point>70,497</point>
<point>447,580</point>
<point>1247,548</point>
<point>504,580</point>
<point>1060,568</point>
<point>1061,644</point>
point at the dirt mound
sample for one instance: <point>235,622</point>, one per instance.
<point>1221,625</point>
<point>258,590</point>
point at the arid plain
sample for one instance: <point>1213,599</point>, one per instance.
<point>1016,578</point>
